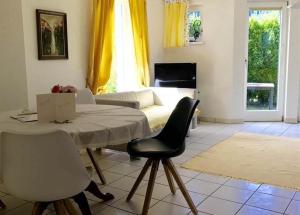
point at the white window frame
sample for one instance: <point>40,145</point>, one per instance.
<point>192,8</point>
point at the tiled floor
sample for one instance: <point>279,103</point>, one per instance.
<point>211,194</point>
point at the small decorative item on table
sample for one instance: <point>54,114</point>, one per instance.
<point>59,106</point>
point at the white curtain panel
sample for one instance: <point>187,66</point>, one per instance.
<point>125,63</point>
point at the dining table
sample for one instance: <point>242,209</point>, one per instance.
<point>95,126</point>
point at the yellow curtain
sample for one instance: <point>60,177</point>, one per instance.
<point>101,47</point>
<point>175,23</point>
<point>138,11</point>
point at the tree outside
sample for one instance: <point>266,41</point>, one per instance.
<point>263,55</point>
<point>195,26</point>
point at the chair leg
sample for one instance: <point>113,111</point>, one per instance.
<point>150,187</point>
<point>70,207</point>
<point>2,205</point>
<point>60,208</point>
<point>96,166</point>
<point>39,207</point>
<point>139,179</point>
<point>181,185</point>
<point>83,204</point>
<point>93,189</point>
<point>169,178</point>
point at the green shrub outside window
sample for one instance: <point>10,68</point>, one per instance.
<point>263,57</point>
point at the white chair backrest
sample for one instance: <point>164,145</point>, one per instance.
<point>42,167</point>
<point>85,96</point>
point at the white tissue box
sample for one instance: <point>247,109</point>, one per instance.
<point>58,107</point>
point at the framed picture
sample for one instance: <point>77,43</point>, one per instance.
<point>52,35</point>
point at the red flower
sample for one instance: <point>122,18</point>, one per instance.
<point>60,89</point>
<point>56,89</point>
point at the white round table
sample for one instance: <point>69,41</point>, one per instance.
<point>94,125</point>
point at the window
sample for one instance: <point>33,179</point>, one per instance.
<point>194,25</point>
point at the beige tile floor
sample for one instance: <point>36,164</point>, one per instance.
<point>212,195</point>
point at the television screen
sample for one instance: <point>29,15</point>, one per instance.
<point>180,75</point>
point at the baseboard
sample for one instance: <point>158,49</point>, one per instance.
<point>291,120</point>
<point>206,119</point>
<point>229,121</point>
<point>221,120</point>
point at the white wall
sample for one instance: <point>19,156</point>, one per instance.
<point>295,4</point>
<point>43,74</point>
<point>155,12</point>
<point>13,89</point>
<point>293,68</point>
<point>221,60</point>
<point>215,61</point>
<point>238,101</point>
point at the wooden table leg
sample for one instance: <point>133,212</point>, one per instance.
<point>39,207</point>
<point>96,166</point>
<point>60,208</point>
<point>70,207</point>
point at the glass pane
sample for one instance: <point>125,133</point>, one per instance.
<point>263,59</point>
<point>195,26</point>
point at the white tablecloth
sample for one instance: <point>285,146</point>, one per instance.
<point>94,126</point>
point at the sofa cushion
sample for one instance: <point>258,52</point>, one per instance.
<point>125,96</point>
<point>145,98</point>
<point>166,96</point>
<point>118,102</point>
<point>157,116</point>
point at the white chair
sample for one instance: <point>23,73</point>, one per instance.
<point>85,96</point>
<point>46,168</point>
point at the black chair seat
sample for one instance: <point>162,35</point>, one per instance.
<point>153,148</point>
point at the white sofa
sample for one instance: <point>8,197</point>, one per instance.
<point>156,102</point>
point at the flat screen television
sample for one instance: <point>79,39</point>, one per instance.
<point>180,75</point>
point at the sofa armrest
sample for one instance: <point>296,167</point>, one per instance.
<point>118,102</point>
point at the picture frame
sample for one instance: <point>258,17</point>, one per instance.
<point>52,35</point>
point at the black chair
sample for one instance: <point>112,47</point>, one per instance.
<point>170,142</point>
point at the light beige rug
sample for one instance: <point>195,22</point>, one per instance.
<point>256,158</point>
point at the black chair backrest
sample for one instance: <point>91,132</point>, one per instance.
<point>177,126</point>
